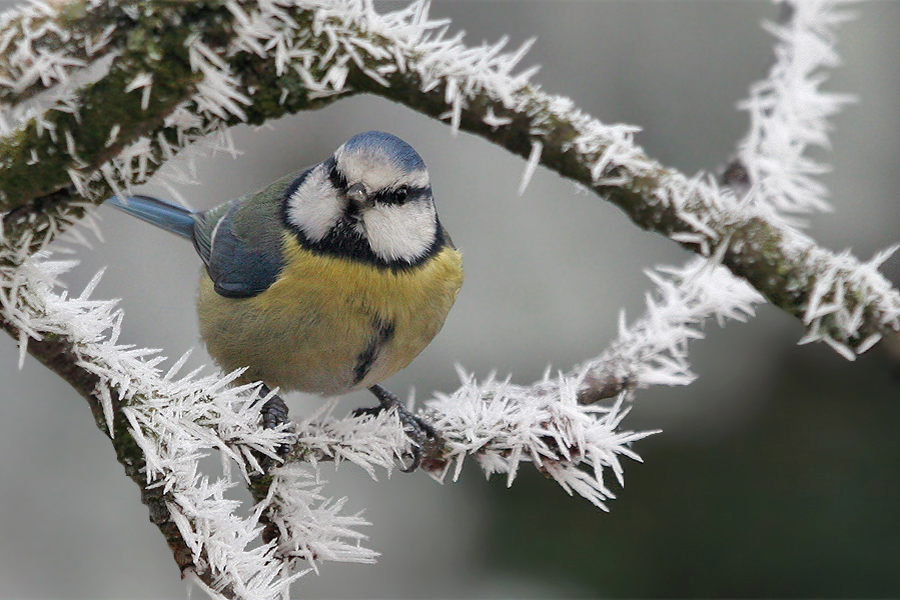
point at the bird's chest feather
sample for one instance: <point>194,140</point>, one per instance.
<point>328,324</point>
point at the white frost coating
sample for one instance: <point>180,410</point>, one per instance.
<point>30,62</point>
<point>534,159</point>
<point>493,121</point>
<point>141,81</point>
<point>219,91</point>
<point>839,278</point>
<point>789,113</point>
<point>501,425</point>
<point>654,350</point>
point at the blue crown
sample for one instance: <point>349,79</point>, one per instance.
<point>400,153</point>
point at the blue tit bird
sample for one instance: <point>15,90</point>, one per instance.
<point>328,280</point>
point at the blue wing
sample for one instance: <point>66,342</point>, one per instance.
<point>240,246</point>
<point>239,242</point>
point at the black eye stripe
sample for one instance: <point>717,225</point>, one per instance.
<point>398,195</point>
<point>391,195</point>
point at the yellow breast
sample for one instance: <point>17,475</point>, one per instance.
<point>329,325</point>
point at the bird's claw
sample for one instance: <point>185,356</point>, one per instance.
<point>274,413</point>
<point>418,431</point>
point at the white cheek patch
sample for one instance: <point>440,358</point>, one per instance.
<point>401,232</point>
<point>315,206</point>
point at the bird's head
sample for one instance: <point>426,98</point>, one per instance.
<point>370,200</point>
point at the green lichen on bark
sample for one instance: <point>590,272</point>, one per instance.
<point>77,22</point>
<point>36,163</point>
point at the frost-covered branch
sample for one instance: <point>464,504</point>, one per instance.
<point>60,332</point>
<point>36,49</point>
<point>788,114</point>
<point>174,73</point>
<point>500,425</point>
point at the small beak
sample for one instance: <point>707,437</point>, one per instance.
<point>358,194</point>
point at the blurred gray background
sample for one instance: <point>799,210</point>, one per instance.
<point>777,472</point>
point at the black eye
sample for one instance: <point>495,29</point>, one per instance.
<point>401,194</point>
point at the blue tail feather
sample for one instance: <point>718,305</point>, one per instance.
<point>166,215</point>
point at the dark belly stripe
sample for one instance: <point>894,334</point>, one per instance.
<point>382,334</point>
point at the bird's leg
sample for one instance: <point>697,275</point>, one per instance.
<point>418,430</point>
<point>274,414</point>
